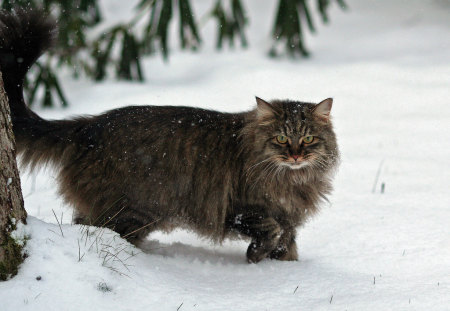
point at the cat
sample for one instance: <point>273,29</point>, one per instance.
<point>258,174</point>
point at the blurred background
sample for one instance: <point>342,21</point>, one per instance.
<point>138,40</point>
<point>103,39</point>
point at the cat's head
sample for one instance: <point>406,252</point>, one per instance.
<point>291,135</point>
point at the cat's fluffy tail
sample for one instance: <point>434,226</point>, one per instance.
<point>24,36</point>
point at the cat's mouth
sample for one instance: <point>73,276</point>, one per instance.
<point>298,165</point>
<point>296,162</point>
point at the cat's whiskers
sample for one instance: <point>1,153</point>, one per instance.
<point>273,173</point>
<point>255,165</point>
<point>279,170</point>
<point>317,162</point>
<point>323,161</point>
<point>253,170</point>
<point>320,163</point>
<point>268,167</point>
<point>267,173</point>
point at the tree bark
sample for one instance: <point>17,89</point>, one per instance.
<point>11,201</point>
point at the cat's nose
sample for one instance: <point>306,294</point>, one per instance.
<point>295,157</point>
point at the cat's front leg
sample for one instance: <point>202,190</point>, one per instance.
<point>264,231</point>
<point>286,248</point>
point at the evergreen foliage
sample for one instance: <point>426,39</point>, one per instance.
<point>160,15</point>
<point>75,17</point>
<point>288,24</point>
<point>128,66</point>
<point>230,25</point>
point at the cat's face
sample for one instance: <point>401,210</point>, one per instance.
<point>295,135</point>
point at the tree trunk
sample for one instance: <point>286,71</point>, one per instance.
<point>11,201</point>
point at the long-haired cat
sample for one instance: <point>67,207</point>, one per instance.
<point>257,174</point>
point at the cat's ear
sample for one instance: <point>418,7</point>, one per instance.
<point>322,110</point>
<point>263,108</point>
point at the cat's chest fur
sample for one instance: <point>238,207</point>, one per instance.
<point>288,196</point>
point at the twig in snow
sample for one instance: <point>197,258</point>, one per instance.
<point>331,299</point>
<point>113,256</point>
<point>150,223</point>
<point>133,254</point>
<point>179,307</point>
<point>118,272</point>
<point>374,280</point>
<point>106,210</point>
<point>295,289</point>
<point>377,176</point>
<point>79,251</point>
<point>58,223</point>
<point>87,236</point>
<point>114,216</point>
<point>52,231</point>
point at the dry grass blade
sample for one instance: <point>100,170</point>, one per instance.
<point>377,176</point>
<point>145,226</point>
<point>59,224</point>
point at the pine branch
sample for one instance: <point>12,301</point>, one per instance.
<point>230,24</point>
<point>290,16</point>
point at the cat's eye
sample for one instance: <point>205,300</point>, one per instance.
<point>282,139</point>
<point>308,139</point>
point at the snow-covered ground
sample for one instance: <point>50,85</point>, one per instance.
<point>387,65</point>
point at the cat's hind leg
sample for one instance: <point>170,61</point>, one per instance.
<point>132,229</point>
<point>134,225</point>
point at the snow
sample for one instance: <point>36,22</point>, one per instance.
<point>387,66</point>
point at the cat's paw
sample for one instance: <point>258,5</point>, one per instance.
<point>284,253</point>
<point>256,253</point>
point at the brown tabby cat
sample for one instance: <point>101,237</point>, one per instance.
<point>259,174</point>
